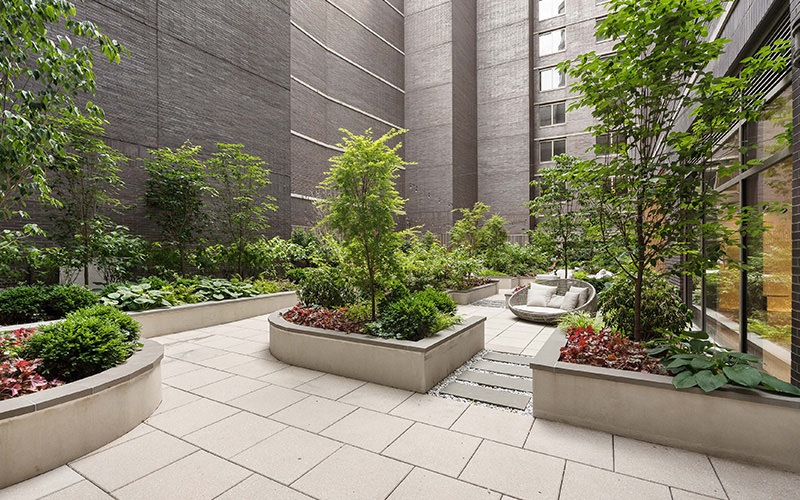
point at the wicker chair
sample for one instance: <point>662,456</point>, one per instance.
<point>551,315</point>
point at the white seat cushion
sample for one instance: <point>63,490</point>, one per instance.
<point>544,311</point>
<point>539,295</point>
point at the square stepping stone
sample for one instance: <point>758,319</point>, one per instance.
<point>487,395</point>
<point>497,380</point>
<point>508,358</point>
<point>508,369</point>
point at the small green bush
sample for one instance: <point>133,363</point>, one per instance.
<point>415,316</point>
<point>25,304</point>
<point>327,287</point>
<point>663,312</point>
<point>85,343</point>
<point>135,297</point>
<point>441,300</point>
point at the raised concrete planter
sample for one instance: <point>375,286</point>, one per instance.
<point>414,366</point>
<point>474,294</point>
<point>732,422</point>
<point>45,430</point>
<point>159,322</point>
<point>505,281</point>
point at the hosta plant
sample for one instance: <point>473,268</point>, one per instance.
<point>695,360</point>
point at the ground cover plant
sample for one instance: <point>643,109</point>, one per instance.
<point>607,348</point>
<point>20,376</point>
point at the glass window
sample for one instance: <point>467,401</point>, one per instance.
<point>549,149</point>
<point>769,270</point>
<point>552,114</point>
<point>552,78</point>
<point>552,42</point>
<point>773,130</point>
<point>550,8</point>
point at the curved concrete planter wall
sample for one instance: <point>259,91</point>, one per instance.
<point>475,294</point>
<point>42,431</point>
<point>415,366</point>
<point>159,322</point>
<point>739,423</point>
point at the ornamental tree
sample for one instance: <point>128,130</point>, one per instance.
<point>646,190</point>
<point>363,204</point>
<point>41,75</point>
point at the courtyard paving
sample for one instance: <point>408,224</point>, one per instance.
<point>236,423</point>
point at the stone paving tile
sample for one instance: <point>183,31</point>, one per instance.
<point>434,448</point>
<point>229,388</point>
<point>489,423</point>
<point>173,398</point>
<point>426,485</point>
<point>171,367</point>
<point>520,473</point>
<point>191,417</point>
<point>258,487</point>
<point>353,474</point>
<point>234,434</point>
<point>330,386</point>
<point>287,455</point>
<point>226,361</point>
<point>687,495</point>
<point>291,376</point>
<point>376,397</point>
<point>368,429</point>
<point>41,485</point>
<point>220,341</point>
<point>751,482</point>
<point>248,347</point>
<point>430,409</point>
<point>80,491</point>
<point>139,430</point>
<point>256,368</point>
<point>132,460</point>
<point>487,395</point>
<point>313,413</point>
<point>671,466</point>
<point>196,354</point>
<point>573,443</point>
<point>199,476</point>
<point>582,482</point>
<point>268,400</point>
<point>501,347</point>
<point>196,378</point>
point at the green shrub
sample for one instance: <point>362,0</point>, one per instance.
<point>327,287</point>
<point>581,320</point>
<point>85,343</point>
<point>134,297</point>
<point>663,312</point>
<point>441,300</point>
<point>415,316</point>
<point>25,304</point>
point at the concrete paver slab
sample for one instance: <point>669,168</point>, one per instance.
<point>368,429</point>
<point>80,491</point>
<point>41,485</point>
<point>313,413</point>
<point>497,380</point>
<point>291,376</point>
<point>173,398</point>
<point>520,473</point>
<point>437,449</point>
<point>751,482</point>
<point>190,417</point>
<point>376,397</point>
<point>487,395</point>
<point>430,409</point>
<point>353,474</point>
<point>508,369</point>
<point>573,443</point>
<point>505,427</point>
<point>508,358</point>
<point>422,484</point>
<point>234,434</point>
<point>582,482</point>
<point>196,378</point>
<point>258,487</point>
<point>330,386</point>
<point>268,400</point>
<point>229,388</point>
<point>203,476</point>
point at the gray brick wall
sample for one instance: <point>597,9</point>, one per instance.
<point>795,16</point>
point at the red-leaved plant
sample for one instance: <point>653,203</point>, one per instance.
<point>608,349</point>
<point>321,317</point>
<point>18,376</point>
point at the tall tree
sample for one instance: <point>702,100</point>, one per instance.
<point>87,183</point>
<point>174,191</point>
<point>647,188</point>
<point>363,204</point>
<point>241,207</point>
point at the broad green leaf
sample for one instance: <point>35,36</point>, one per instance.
<point>778,385</point>
<point>709,381</point>
<point>684,380</point>
<point>743,375</point>
<point>701,363</point>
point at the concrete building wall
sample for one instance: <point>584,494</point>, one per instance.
<point>440,111</point>
<point>347,71</point>
<point>503,71</point>
<point>198,71</point>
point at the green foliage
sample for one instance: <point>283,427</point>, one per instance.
<point>662,310</point>
<point>474,232</point>
<point>85,343</point>
<point>27,304</point>
<point>362,206</point>
<point>440,300</point>
<point>411,318</point>
<point>87,183</point>
<point>134,297</point>
<point>174,197</point>
<point>241,206</point>
<point>515,260</point>
<point>327,286</point>
<point>694,360</point>
<point>41,74</point>
<point>581,320</point>
<point>645,192</point>
<point>120,254</point>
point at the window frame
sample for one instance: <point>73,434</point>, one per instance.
<point>558,14</point>
<point>552,113</point>
<point>551,142</point>
<point>563,38</point>
<point>555,71</point>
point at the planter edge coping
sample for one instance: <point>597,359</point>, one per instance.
<point>492,282</point>
<point>140,362</point>
<point>423,345</point>
<point>547,359</point>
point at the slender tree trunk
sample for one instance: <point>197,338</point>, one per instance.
<point>639,282</point>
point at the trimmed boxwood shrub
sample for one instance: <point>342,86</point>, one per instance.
<point>26,304</point>
<point>85,343</point>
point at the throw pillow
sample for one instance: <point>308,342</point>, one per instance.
<point>570,301</point>
<point>539,295</point>
<point>584,294</point>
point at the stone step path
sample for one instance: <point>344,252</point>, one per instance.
<point>497,378</point>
